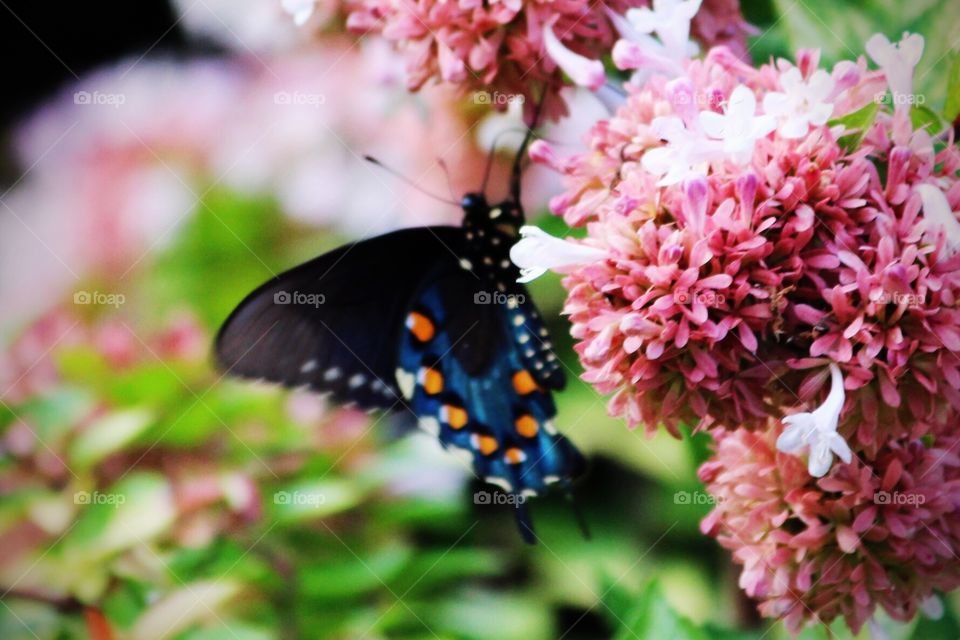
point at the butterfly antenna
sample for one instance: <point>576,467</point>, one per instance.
<point>446,172</point>
<point>518,161</point>
<point>410,182</point>
<point>525,523</point>
<point>578,515</point>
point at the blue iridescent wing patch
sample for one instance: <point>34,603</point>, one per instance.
<point>498,418</point>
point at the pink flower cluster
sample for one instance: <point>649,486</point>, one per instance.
<point>777,247</point>
<point>725,295</point>
<point>882,533</point>
<point>509,47</point>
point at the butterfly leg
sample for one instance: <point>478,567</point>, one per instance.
<point>525,523</point>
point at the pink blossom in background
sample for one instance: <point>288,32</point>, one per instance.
<point>511,47</point>
<point>260,26</point>
<point>306,125</point>
<point>111,169</point>
<point>872,535</point>
<point>111,179</point>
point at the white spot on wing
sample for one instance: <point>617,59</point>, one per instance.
<point>430,425</point>
<point>356,381</point>
<point>309,366</point>
<point>503,483</point>
<point>407,382</point>
<point>461,454</point>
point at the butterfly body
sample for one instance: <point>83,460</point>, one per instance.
<point>475,364</point>
<point>430,320</point>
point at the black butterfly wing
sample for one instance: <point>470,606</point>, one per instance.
<point>333,324</point>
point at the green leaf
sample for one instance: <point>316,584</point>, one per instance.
<point>840,30</point>
<point>228,246</point>
<point>351,577</point>
<point>131,512</point>
<point>857,124</point>
<point>181,609</point>
<point>652,618</point>
<point>53,415</point>
<point>310,500</point>
<point>478,615</point>
<point>108,434</point>
<point>433,568</point>
<point>951,106</point>
<point>229,630</point>
<point>922,117</point>
<point>126,602</point>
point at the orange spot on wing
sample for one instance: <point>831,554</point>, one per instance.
<point>431,380</point>
<point>485,444</point>
<point>420,326</point>
<point>453,416</point>
<point>523,382</point>
<point>526,426</point>
<point>515,455</point>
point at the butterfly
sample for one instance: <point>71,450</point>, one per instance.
<point>429,320</point>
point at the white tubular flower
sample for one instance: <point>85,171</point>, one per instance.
<point>637,49</point>
<point>301,10</point>
<point>939,215</point>
<point>538,251</point>
<point>739,127</point>
<point>670,20</point>
<point>897,62</point>
<point>685,155</point>
<point>582,70</point>
<point>817,430</point>
<point>800,104</point>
